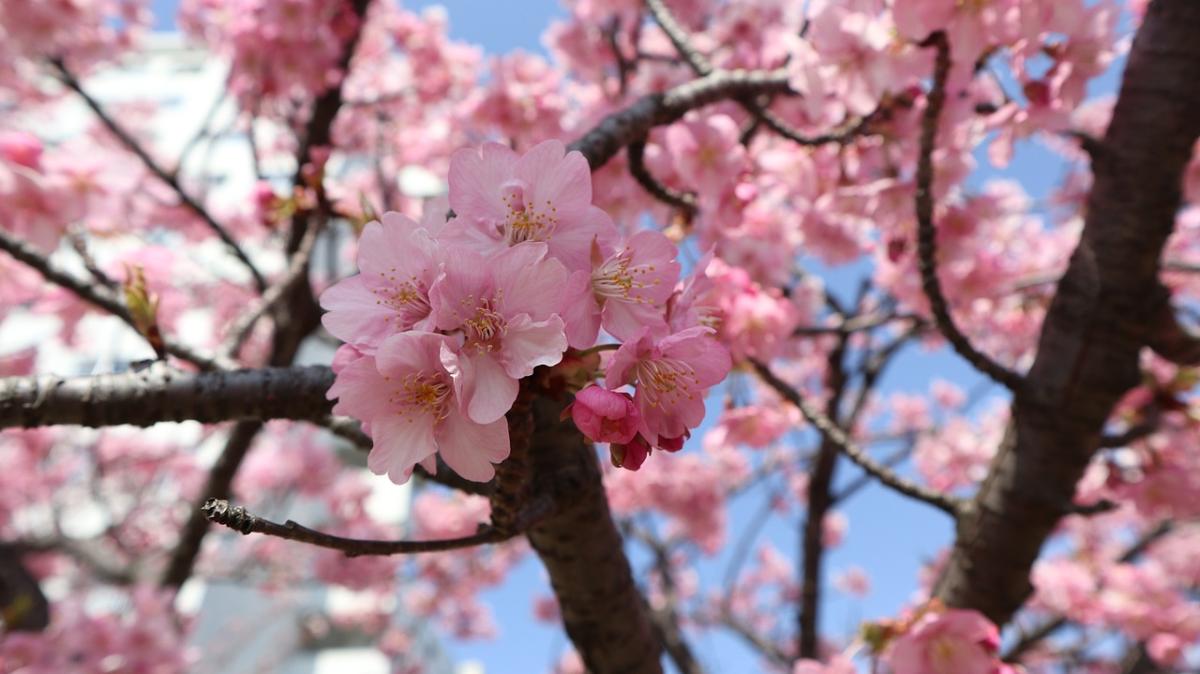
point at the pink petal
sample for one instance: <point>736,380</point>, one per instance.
<point>487,392</point>
<point>410,351</point>
<point>581,313</point>
<point>530,343</point>
<point>400,444</point>
<point>353,314</point>
<point>470,448</point>
<point>475,177</point>
<point>564,181</point>
<point>357,390</point>
<point>625,320</point>
<point>571,242</point>
<point>531,284</point>
<point>397,249</point>
<point>456,295</point>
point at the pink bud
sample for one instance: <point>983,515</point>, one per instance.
<point>630,456</point>
<point>605,416</point>
<point>21,148</point>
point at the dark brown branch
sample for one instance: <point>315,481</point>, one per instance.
<point>927,231</point>
<point>684,201</point>
<point>238,519</point>
<point>71,82</point>
<point>702,67</point>
<point>78,241</point>
<point>160,393</point>
<point>1172,340</point>
<point>219,484</point>
<point>1097,325</point>
<point>100,296</point>
<point>856,454</point>
<point>603,141</point>
<point>602,610</point>
<point>820,500</point>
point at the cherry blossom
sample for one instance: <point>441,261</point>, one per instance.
<point>941,642</point>
<point>420,413</point>
<point>507,311</point>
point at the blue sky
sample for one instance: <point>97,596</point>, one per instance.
<point>888,535</point>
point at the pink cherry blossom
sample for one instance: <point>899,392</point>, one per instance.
<point>408,397</point>
<point>706,152</point>
<point>954,641</point>
<point>399,262</point>
<point>626,290</point>
<point>505,310</point>
<point>605,416</point>
<point>670,375</point>
<point>501,199</point>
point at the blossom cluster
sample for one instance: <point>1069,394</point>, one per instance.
<point>446,318</point>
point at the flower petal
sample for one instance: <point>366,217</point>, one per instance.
<point>471,448</point>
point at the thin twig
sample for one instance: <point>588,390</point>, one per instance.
<point>102,297</point>
<point>700,65</point>
<point>768,650</point>
<point>856,454</point>
<point>684,201</point>
<point>79,242</point>
<point>927,233</point>
<point>238,519</point>
<point>71,82</point>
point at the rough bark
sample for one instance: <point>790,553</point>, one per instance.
<point>159,394</point>
<point>1097,324</point>
<point>602,610</point>
<point>630,124</point>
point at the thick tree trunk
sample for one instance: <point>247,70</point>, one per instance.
<point>1098,323</point>
<point>602,610</point>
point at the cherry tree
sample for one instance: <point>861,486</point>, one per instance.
<point>626,256</point>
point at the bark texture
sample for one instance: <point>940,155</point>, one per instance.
<point>159,394</point>
<point>1102,316</point>
<point>602,610</point>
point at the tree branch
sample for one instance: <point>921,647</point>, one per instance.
<point>856,454</point>
<point>71,82</point>
<point>1097,324</point>
<point>820,500</point>
<point>602,610</point>
<point>100,296</point>
<point>1172,340</point>
<point>702,67</point>
<point>603,141</point>
<point>927,232</point>
<point>238,519</point>
<point>684,201</point>
<point>160,393</point>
